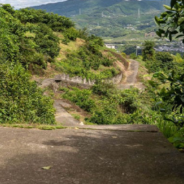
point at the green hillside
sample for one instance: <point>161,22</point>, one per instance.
<point>72,7</point>
<point>40,44</point>
<point>109,19</point>
<point>36,45</point>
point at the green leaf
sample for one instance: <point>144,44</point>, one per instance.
<point>159,33</point>
<point>167,7</point>
<point>174,32</point>
<point>157,20</point>
<point>179,36</point>
<point>180,20</point>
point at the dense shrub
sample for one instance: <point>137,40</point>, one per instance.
<point>133,56</point>
<point>27,43</point>
<point>107,62</point>
<point>82,61</point>
<point>81,98</point>
<point>148,51</point>
<point>21,100</point>
<point>163,62</point>
<point>47,42</point>
<point>106,104</point>
<point>71,34</point>
<point>103,89</point>
<point>54,21</point>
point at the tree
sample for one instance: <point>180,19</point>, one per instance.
<point>171,22</point>
<point>8,8</point>
<point>148,51</point>
<point>166,60</point>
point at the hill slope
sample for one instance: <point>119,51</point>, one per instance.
<point>72,7</point>
<point>110,18</point>
<point>43,44</point>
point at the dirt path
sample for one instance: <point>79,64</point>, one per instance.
<point>131,77</point>
<point>62,116</point>
<point>132,72</point>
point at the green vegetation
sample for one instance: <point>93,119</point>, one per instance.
<point>171,21</point>
<point>109,19</point>
<point>71,7</point>
<point>148,51</point>
<point>168,82</point>
<point>104,103</point>
<point>24,47</point>
<point>30,41</point>
<point>165,91</point>
<point>163,61</point>
<point>88,62</point>
<point>21,101</point>
<point>36,40</point>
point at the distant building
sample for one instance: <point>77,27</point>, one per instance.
<point>110,46</point>
<point>129,26</point>
<point>150,34</point>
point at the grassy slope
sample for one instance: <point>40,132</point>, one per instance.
<point>73,47</point>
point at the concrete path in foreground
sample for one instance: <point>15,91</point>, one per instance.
<point>84,156</point>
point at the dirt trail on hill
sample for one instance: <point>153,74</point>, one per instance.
<point>62,116</point>
<point>131,77</point>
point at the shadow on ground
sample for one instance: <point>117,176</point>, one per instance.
<point>88,157</point>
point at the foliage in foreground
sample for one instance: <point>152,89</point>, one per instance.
<point>171,22</point>
<point>28,42</point>
<point>21,100</point>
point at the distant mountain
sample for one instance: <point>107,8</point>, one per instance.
<point>116,19</point>
<point>75,7</point>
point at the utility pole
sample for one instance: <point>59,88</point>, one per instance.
<point>137,48</point>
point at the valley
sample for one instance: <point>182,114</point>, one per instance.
<point>115,21</point>
<point>96,105</point>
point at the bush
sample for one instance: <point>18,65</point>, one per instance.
<point>71,34</point>
<point>81,98</point>
<point>133,56</point>
<point>163,62</point>
<point>107,105</point>
<point>26,43</point>
<point>103,89</point>
<point>107,62</point>
<point>21,100</point>
<point>148,52</point>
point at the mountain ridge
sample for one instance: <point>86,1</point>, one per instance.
<point>110,18</point>
<point>73,7</point>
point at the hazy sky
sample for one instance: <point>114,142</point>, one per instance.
<point>27,3</point>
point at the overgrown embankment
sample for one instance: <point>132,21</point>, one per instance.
<point>43,44</point>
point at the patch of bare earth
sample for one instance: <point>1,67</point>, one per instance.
<point>131,77</point>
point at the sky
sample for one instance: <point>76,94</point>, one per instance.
<point>27,3</point>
